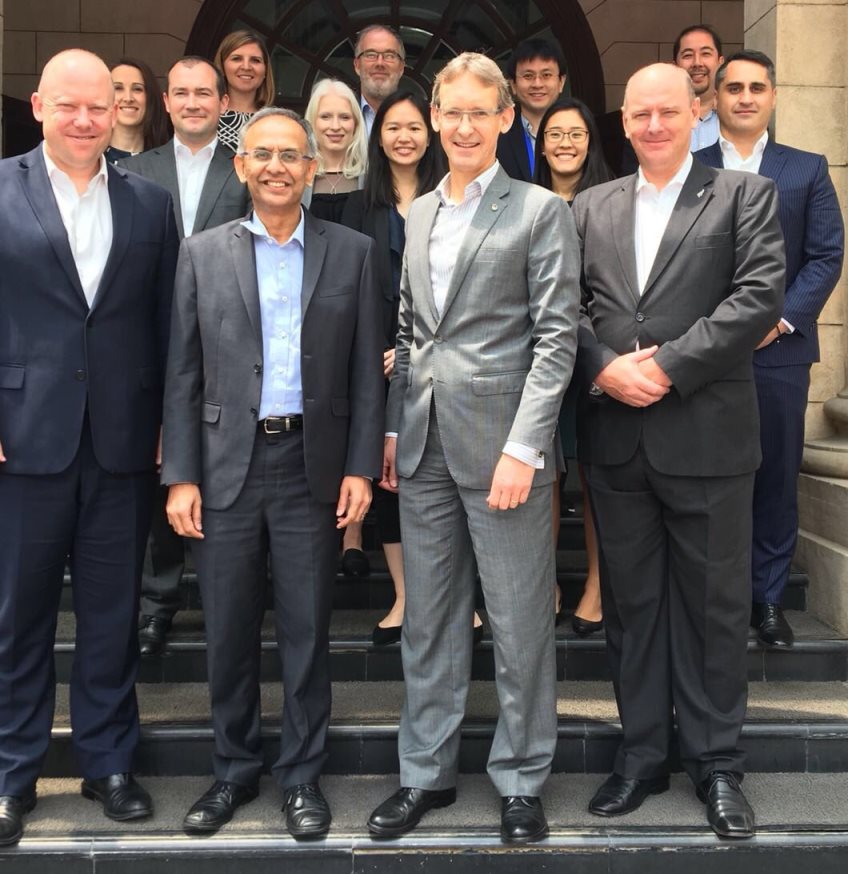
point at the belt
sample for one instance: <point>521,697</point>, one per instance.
<point>278,424</point>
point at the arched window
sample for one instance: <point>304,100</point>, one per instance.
<point>310,39</point>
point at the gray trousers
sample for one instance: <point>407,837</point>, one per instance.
<point>445,528</point>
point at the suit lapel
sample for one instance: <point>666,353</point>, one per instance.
<point>774,157</point>
<point>420,244</point>
<point>696,193</point>
<point>121,201</point>
<point>166,176</point>
<point>314,252</point>
<point>492,205</point>
<point>39,193</point>
<point>244,264</point>
<point>219,171</point>
<point>622,219</point>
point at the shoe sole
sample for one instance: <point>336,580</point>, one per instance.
<point>396,831</point>
<point>117,817</point>
<point>609,814</point>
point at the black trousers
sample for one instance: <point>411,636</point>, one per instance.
<point>164,562</point>
<point>274,514</point>
<point>97,521</point>
<point>675,583</point>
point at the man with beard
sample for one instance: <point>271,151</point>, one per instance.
<point>698,51</point>
<point>379,61</point>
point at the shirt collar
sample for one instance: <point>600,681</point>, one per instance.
<point>180,148</point>
<point>759,146</point>
<point>707,117</point>
<point>255,226</point>
<point>678,179</point>
<point>526,123</point>
<point>365,106</point>
<point>101,177</point>
<point>476,188</point>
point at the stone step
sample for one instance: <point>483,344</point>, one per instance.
<point>798,727</point>
<point>802,825</point>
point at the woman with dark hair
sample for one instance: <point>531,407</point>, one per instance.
<point>405,161</point>
<point>141,122</point>
<point>570,159</point>
<point>246,66</point>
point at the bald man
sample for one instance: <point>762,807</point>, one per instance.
<point>88,255</point>
<point>670,440</point>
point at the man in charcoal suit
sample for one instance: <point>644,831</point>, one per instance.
<point>683,276</point>
<point>201,179</point>
<point>815,240</point>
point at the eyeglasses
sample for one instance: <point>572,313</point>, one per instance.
<point>576,135</point>
<point>475,116</point>
<point>545,76</point>
<point>388,57</point>
<point>286,156</point>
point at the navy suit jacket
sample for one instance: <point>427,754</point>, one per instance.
<point>58,358</point>
<point>512,151</point>
<point>814,237</point>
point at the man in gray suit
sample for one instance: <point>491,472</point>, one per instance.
<point>206,192</point>
<point>683,276</point>
<point>485,350</point>
<point>273,425</point>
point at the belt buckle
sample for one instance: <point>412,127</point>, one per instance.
<point>265,427</point>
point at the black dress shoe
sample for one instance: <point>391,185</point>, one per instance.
<point>619,795</point>
<point>122,797</point>
<point>12,810</point>
<point>403,811</point>
<point>307,812</point>
<point>582,626</point>
<point>728,811</point>
<point>152,634</point>
<point>522,819</point>
<point>216,807</point>
<point>772,627</point>
<point>386,636</point>
<point>355,563</point>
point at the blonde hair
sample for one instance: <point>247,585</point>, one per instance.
<point>266,92</point>
<point>485,69</point>
<point>356,157</point>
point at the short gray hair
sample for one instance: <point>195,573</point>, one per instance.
<point>268,112</point>
<point>373,28</point>
<point>484,68</point>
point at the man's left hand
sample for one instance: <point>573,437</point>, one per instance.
<point>654,372</point>
<point>511,484</point>
<point>354,500</point>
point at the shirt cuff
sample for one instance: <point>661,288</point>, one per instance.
<point>790,329</point>
<point>391,434</point>
<point>527,454</point>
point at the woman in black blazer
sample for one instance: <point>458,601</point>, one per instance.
<point>404,161</point>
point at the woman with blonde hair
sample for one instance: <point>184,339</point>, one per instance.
<point>335,116</point>
<point>246,65</point>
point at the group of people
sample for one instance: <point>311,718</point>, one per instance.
<point>386,300</point>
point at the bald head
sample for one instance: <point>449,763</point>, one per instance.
<point>655,74</point>
<point>75,104</point>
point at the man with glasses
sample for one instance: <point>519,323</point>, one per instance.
<point>485,349</point>
<point>273,431</point>
<point>378,61</point>
<point>536,74</point>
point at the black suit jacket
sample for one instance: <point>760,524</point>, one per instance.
<point>815,241</point>
<point>715,290</point>
<point>58,358</point>
<point>512,151</point>
<point>223,197</point>
<point>214,382</point>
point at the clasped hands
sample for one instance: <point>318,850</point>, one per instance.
<point>635,379</point>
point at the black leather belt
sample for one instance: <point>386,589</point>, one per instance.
<point>279,424</point>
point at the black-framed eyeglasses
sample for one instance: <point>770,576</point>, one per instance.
<point>371,55</point>
<point>286,156</point>
<point>576,135</point>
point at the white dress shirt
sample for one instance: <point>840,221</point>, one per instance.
<point>191,174</point>
<point>446,238</point>
<point>732,160</point>
<point>87,218</point>
<point>653,211</point>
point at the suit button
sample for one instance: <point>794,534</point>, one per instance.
<point>79,376</point>
<point>640,317</point>
<point>253,411</point>
<point>437,338</point>
<point>257,368</point>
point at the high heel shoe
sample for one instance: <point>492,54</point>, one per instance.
<point>381,636</point>
<point>583,627</point>
<point>355,563</point>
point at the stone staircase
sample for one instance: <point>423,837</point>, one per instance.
<point>796,738</point>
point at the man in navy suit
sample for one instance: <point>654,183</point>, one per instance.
<point>88,255</point>
<point>814,234</point>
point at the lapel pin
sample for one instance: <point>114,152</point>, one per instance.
<point>494,207</point>
<point>700,193</point>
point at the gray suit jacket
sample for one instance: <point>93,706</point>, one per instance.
<point>499,358</point>
<point>715,290</point>
<point>214,378</point>
<point>223,198</point>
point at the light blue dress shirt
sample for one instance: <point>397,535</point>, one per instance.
<point>705,133</point>
<point>279,275</point>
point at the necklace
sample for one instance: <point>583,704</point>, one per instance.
<point>338,177</point>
